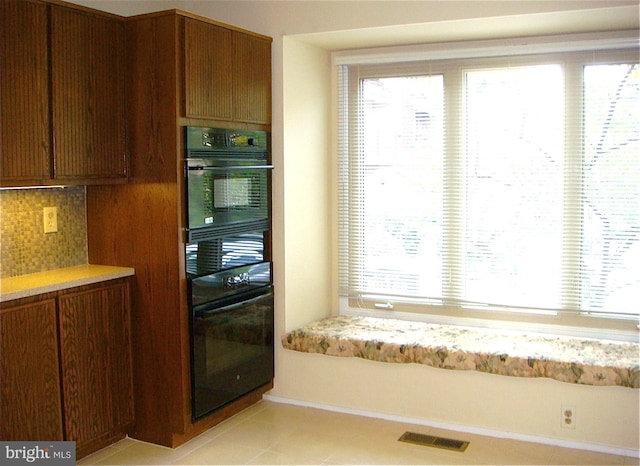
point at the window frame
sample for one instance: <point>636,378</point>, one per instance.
<point>455,59</point>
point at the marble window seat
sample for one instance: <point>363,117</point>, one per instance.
<point>567,359</point>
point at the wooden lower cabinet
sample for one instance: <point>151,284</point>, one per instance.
<point>96,365</point>
<point>84,395</point>
<point>30,401</point>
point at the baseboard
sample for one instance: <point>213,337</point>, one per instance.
<point>462,428</point>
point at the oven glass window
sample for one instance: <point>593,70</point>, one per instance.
<point>231,193</point>
<point>218,199</point>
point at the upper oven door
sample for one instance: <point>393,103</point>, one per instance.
<point>223,195</point>
<point>228,180</point>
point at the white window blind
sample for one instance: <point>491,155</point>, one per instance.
<point>504,183</point>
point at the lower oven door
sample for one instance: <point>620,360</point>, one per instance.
<point>232,350</point>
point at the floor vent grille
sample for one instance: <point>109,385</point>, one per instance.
<point>432,441</point>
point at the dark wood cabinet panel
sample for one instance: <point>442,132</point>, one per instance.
<point>24,92</point>
<point>118,310</point>
<point>151,96</point>
<point>62,96</point>
<point>160,318</point>
<point>96,363</point>
<point>67,368</point>
<point>252,79</point>
<point>84,366</point>
<point>227,74</point>
<point>87,80</point>
<point>208,71</point>
<point>31,408</point>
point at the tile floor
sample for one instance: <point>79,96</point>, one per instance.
<point>276,433</point>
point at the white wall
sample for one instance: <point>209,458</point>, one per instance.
<point>307,163</point>
<point>304,211</point>
<point>512,407</point>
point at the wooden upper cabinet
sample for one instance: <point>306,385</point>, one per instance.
<point>227,74</point>
<point>31,407</point>
<point>252,78</point>
<point>62,95</point>
<point>87,82</point>
<point>24,92</point>
<point>208,79</point>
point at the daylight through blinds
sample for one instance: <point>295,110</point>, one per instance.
<point>510,183</point>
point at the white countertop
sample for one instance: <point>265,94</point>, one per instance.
<point>33,284</point>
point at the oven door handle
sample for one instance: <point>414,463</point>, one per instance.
<point>234,167</point>
<point>230,307</point>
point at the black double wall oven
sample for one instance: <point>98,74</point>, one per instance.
<point>228,264</point>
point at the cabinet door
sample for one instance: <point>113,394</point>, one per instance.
<point>118,312</point>
<point>87,80</point>
<point>252,79</point>
<point>24,92</point>
<point>208,70</point>
<point>96,363</point>
<point>30,401</point>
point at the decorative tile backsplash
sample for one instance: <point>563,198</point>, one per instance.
<point>24,247</point>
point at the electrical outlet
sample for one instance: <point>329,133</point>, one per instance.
<point>568,417</point>
<point>50,215</point>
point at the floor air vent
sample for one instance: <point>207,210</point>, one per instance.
<point>432,441</point>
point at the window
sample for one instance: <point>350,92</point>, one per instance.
<point>499,188</point>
